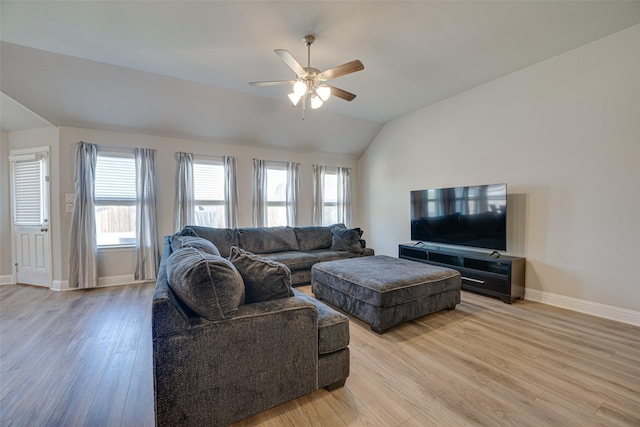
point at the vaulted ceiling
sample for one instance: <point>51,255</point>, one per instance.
<point>181,68</point>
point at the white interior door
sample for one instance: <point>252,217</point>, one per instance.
<point>30,202</point>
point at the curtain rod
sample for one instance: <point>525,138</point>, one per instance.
<point>115,147</point>
<point>211,156</point>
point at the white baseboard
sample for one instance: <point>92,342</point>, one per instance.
<point>125,279</point>
<point>583,306</point>
<point>60,285</point>
<point>7,280</point>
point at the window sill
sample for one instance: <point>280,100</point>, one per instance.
<point>116,248</point>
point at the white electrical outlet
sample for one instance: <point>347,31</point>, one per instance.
<point>69,198</point>
<point>69,207</point>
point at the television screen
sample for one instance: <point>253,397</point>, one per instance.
<point>469,216</point>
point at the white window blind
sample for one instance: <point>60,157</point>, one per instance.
<point>276,184</point>
<point>115,179</point>
<point>28,182</point>
<point>208,181</point>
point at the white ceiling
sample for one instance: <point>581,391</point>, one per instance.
<point>182,68</point>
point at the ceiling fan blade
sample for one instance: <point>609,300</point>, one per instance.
<point>288,59</point>
<point>340,93</point>
<point>273,83</point>
<point>341,70</point>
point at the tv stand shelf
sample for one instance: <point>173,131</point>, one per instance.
<point>501,277</point>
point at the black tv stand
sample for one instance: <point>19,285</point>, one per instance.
<point>501,277</point>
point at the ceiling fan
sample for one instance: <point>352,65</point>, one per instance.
<point>310,81</point>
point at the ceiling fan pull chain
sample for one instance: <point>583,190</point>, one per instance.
<point>304,106</point>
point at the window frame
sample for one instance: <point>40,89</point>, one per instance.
<point>215,161</point>
<point>276,166</point>
<point>127,202</point>
<point>330,204</point>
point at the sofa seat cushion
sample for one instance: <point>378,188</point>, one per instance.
<point>333,326</point>
<point>329,255</point>
<point>295,260</point>
<point>208,284</point>
<point>223,238</point>
<point>266,240</point>
<point>310,238</point>
<point>264,279</point>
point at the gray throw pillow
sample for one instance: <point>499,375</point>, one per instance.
<point>346,239</point>
<point>208,284</point>
<point>177,242</point>
<point>264,279</point>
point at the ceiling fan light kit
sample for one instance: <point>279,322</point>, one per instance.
<point>310,82</point>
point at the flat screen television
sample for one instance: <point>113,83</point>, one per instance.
<point>473,216</point>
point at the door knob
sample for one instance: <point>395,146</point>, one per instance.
<point>44,229</point>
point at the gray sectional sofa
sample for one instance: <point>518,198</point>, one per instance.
<point>296,247</point>
<point>231,337</point>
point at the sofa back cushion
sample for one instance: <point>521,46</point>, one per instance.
<point>208,284</point>
<point>264,279</point>
<point>266,240</point>
<point>310,238</point>
<point>223,238</point>
<point>178,242</point>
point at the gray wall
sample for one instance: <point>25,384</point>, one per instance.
<point>564,135</point>
<point>5,213</point>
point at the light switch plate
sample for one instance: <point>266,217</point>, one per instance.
<point>69,207</point>
<point>69,198</point>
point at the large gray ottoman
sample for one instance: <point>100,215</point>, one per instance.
<point>385,291</point>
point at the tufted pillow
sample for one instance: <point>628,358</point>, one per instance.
<point>178,242</point>
<point>346,239</point>
<point>264,280</point>
<point>208,284</point>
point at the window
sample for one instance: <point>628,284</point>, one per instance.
<point>275,193</point>
<point>28,191</point>
<point>330,198</point>
<point>208,189</point>
<point>331,195</point>
<point>276,202</point>
<point>115,199</point>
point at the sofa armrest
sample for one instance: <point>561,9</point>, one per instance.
<point>216,373</point>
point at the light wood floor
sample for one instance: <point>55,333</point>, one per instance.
<point>84,358</point>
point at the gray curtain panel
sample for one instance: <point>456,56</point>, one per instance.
<point>293,184</point>
<point>318,194</point>
<point>184,191</point>
<point>230,191</point>
<point>147,258</point>
<point>344,196</point>
<point>259,193</point>
<point>83,256</point>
